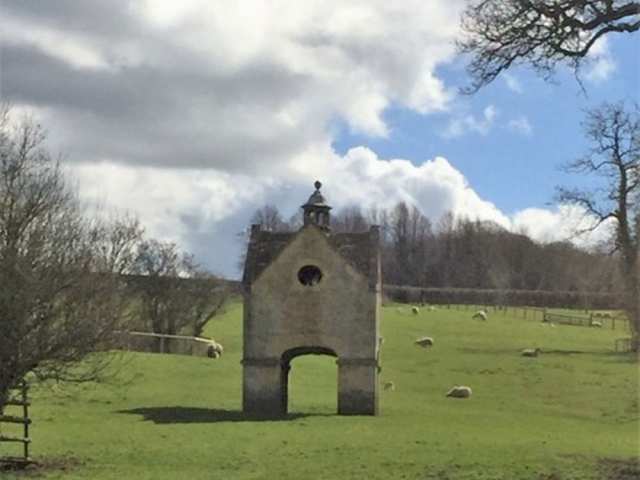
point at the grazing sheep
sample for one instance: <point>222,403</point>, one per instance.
<point>531,352</point>
<point>480,315</point>
<point>214,350</point>
<point>432,308</point>
<point>415,310</point>
<point>424,342</point>
<point>389,386</point>
<point>459,392</point>
<point>595,323</point>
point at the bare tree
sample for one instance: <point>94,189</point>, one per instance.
<point>542,33</point>
<point>172,292</point>
<point>614,159</point>
<point>349,219</point>
<point>59,299</point>
<point>270,219</point>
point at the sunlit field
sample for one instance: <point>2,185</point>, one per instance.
<point>571,413</point>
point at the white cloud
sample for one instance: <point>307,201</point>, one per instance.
<point>244,84</point>
<point>469,123</point>
<point>193,114</point>
<point>600,64</point>
<point>561,223</point>
<point>203,210</point>
<point>512,82</point>
<point>520,125</point>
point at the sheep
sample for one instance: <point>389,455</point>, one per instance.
<point>424,342</point>
<point>432,308</point>
<point>415,310</point>
<point>459,392</point>
<point>480,315</point>
<point>531,352</point>
<point>389,386</point>
<point>596,324</point>
<point>214,350</point>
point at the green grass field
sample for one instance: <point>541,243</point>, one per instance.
<point>556,417</point>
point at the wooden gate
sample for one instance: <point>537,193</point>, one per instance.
<point>19,399</point>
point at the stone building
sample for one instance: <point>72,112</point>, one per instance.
<point>311,292</point>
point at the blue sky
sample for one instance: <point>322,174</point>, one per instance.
<point>513,168</point>
<point>193,114</point>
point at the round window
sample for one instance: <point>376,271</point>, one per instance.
<point>309,275</point>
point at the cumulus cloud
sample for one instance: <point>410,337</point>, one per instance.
<point>205,209</point>
<point>237,86</point>
<point>560,224</point>
<point>193,114</point>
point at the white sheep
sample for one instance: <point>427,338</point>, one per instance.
<point>596,324</point>
<point>480,315</point>
<point>389,386</point>
<point>432,308</point>
<point>415,310</point>
<point>214,350</point>
<point>459,391</point>
<point>531,352</point>
<point>424,342</point>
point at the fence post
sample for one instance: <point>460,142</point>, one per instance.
<point>25,414</point>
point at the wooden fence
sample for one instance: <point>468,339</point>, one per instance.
<point>625,345</point>
<point>606,320</point>
<point>563,319</point>
<point>19,400</point>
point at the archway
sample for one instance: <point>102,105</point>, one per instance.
<point>285,361</point>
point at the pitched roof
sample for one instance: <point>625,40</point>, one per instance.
<point>358,249</point>
<point>264,247</point>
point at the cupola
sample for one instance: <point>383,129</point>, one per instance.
<point>316,210</point>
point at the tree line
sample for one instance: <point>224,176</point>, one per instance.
<point>465,253</point>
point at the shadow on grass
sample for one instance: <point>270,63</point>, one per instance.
<point>166,415</point>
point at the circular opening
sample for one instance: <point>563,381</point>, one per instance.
<point>309,275</point>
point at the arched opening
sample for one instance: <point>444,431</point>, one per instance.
<point>314,387</point>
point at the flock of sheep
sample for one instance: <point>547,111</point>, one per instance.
<point>463,391</point>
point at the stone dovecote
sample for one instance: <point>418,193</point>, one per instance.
<point>311,292</point>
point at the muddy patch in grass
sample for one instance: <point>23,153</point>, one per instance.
<point>616,469</point>
<point>38,468</point>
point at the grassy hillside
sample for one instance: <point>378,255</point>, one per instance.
<point>560,416</point>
